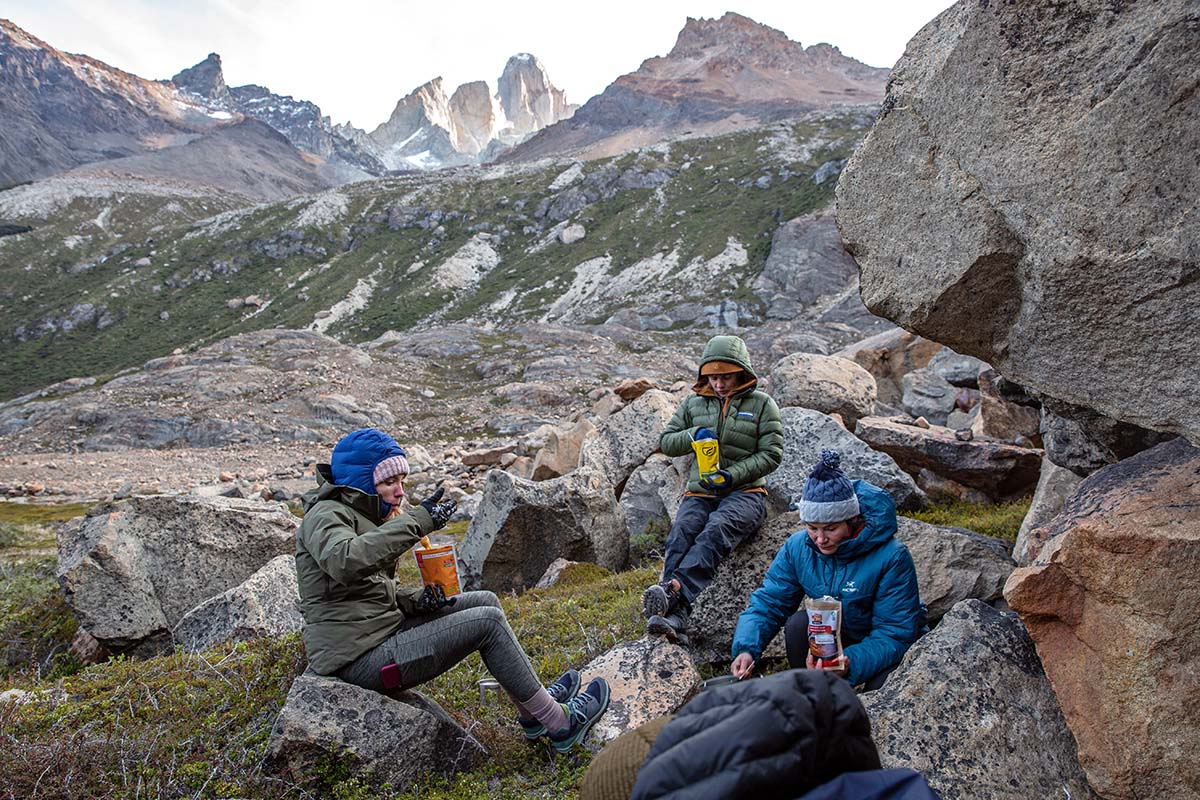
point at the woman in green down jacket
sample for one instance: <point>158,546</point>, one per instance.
<point>358,627</point>
<point>719,510</point>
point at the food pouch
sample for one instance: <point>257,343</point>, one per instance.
<point>439,565</point>
<point>708,456</point>
<point>824,629</point>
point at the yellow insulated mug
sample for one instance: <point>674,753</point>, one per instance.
<point>708,458</point>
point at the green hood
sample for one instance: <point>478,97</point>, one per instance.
<point>726,348</point>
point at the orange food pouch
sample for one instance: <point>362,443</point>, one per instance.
<point>439,566</point>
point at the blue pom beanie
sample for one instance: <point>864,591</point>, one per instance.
<point>357,455</point>
<point>828,495</point>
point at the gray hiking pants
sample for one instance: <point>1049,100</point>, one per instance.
<point>706,530</point>
<point>428,645</point>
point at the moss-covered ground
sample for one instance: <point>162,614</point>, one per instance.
<point>185,725</point>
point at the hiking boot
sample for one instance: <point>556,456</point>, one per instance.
<point>582,712</point>
<point>660,599</point>
<point>673,626</point>
<point>562,690</point>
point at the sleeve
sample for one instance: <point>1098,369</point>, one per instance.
<point>346,556</point>
<point>768,453</point>
<point>771,604</point>
<point>896,620</point>
<point>676,438</point>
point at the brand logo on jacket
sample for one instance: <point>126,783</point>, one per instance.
<point>849,588</point>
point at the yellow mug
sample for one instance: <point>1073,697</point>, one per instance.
<point>708,458</point>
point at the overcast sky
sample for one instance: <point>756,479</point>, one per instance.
<point>356,58</point>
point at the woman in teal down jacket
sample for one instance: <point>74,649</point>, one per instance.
<point>849,552</point>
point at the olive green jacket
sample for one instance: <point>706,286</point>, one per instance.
<point>748,425</point>
<point>344,556</point>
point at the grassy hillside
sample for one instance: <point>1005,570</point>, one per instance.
<point>84,299</point>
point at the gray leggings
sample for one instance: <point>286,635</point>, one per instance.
<point>428,645</point>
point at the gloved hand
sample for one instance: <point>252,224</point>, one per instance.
<point>432,599</point>
<point>703,433</point>
<point>440,510</point>
<point>722,484</point>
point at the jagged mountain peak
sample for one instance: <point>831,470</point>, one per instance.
<point>699,34</point>
<point>206,79</point>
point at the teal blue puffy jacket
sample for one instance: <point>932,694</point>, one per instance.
<point>872,574</point>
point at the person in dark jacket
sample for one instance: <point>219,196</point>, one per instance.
<point>849,553</point>
<point>360,628</point>
<point>721,509</point>
<point>767,739</point>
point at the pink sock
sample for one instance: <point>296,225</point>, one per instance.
<point>546,710</point>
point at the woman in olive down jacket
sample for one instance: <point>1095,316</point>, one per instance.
<point>718,511</point>
<point>359,628</point>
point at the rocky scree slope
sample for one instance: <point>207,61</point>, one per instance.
<point>674,236</point>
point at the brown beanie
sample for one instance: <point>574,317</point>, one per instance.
<point>613,772</point>
<point>719,368</point>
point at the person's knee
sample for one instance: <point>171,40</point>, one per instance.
<point>486,599</point>
<point>795,638</point>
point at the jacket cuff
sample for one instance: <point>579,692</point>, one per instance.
<point>422,518</point>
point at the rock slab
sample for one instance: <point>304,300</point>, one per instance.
<point>265,604</point>
<point>970,709</point>
<point>1113,605</point>
<point>132,569</point>
<point>649,678</point>
<point>806,433</point>
<point>954,564</point>
<point>383,739</point>
<point>626,439</point>
<point>522,526</point>
<point>828,384</point>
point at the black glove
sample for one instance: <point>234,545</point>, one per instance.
<point>433,599</point>
<point>440,510</point>
<point>722,484</point>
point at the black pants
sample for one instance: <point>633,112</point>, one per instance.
<point>795,636</point>
<point>706,530</point>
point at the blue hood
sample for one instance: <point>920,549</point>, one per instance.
<point>355,457</point>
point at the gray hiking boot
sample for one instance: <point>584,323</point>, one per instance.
<point>582,712</point>
<point>673,626</point>
<point>562,690</point>
<point>659,598</point>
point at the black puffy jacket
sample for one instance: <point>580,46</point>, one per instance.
<point>772,738</point>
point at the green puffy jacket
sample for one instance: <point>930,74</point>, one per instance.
<point>344,555</point>
<point>747,423</point>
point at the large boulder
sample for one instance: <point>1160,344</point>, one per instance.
<point>806,433</point>
<point>827,384</point>
<point>970,709</point>
<point>954,564</point>
<point>560,453</point>
<point>522,526</point>
<point>1055,486</point>
<point>889,356</point>
<point>1027,196</point>
<point>381,739</point>
<point>1083,440</point>
<point>626,439</point>
<point>929,395</point>
<point>651,495</point>
<point>649,678</point>
<point>807,264</point>
<point>265,604</point>
<point>715,612</point>
<point>131,570</point>
<point>1001,419</point>
<point>998,469</point>
<point>1112,603</point>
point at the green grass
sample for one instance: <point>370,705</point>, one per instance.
<point>1002,520</point>
<point>197,725</point>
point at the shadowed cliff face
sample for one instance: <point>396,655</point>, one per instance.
<point>1028,194</point>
